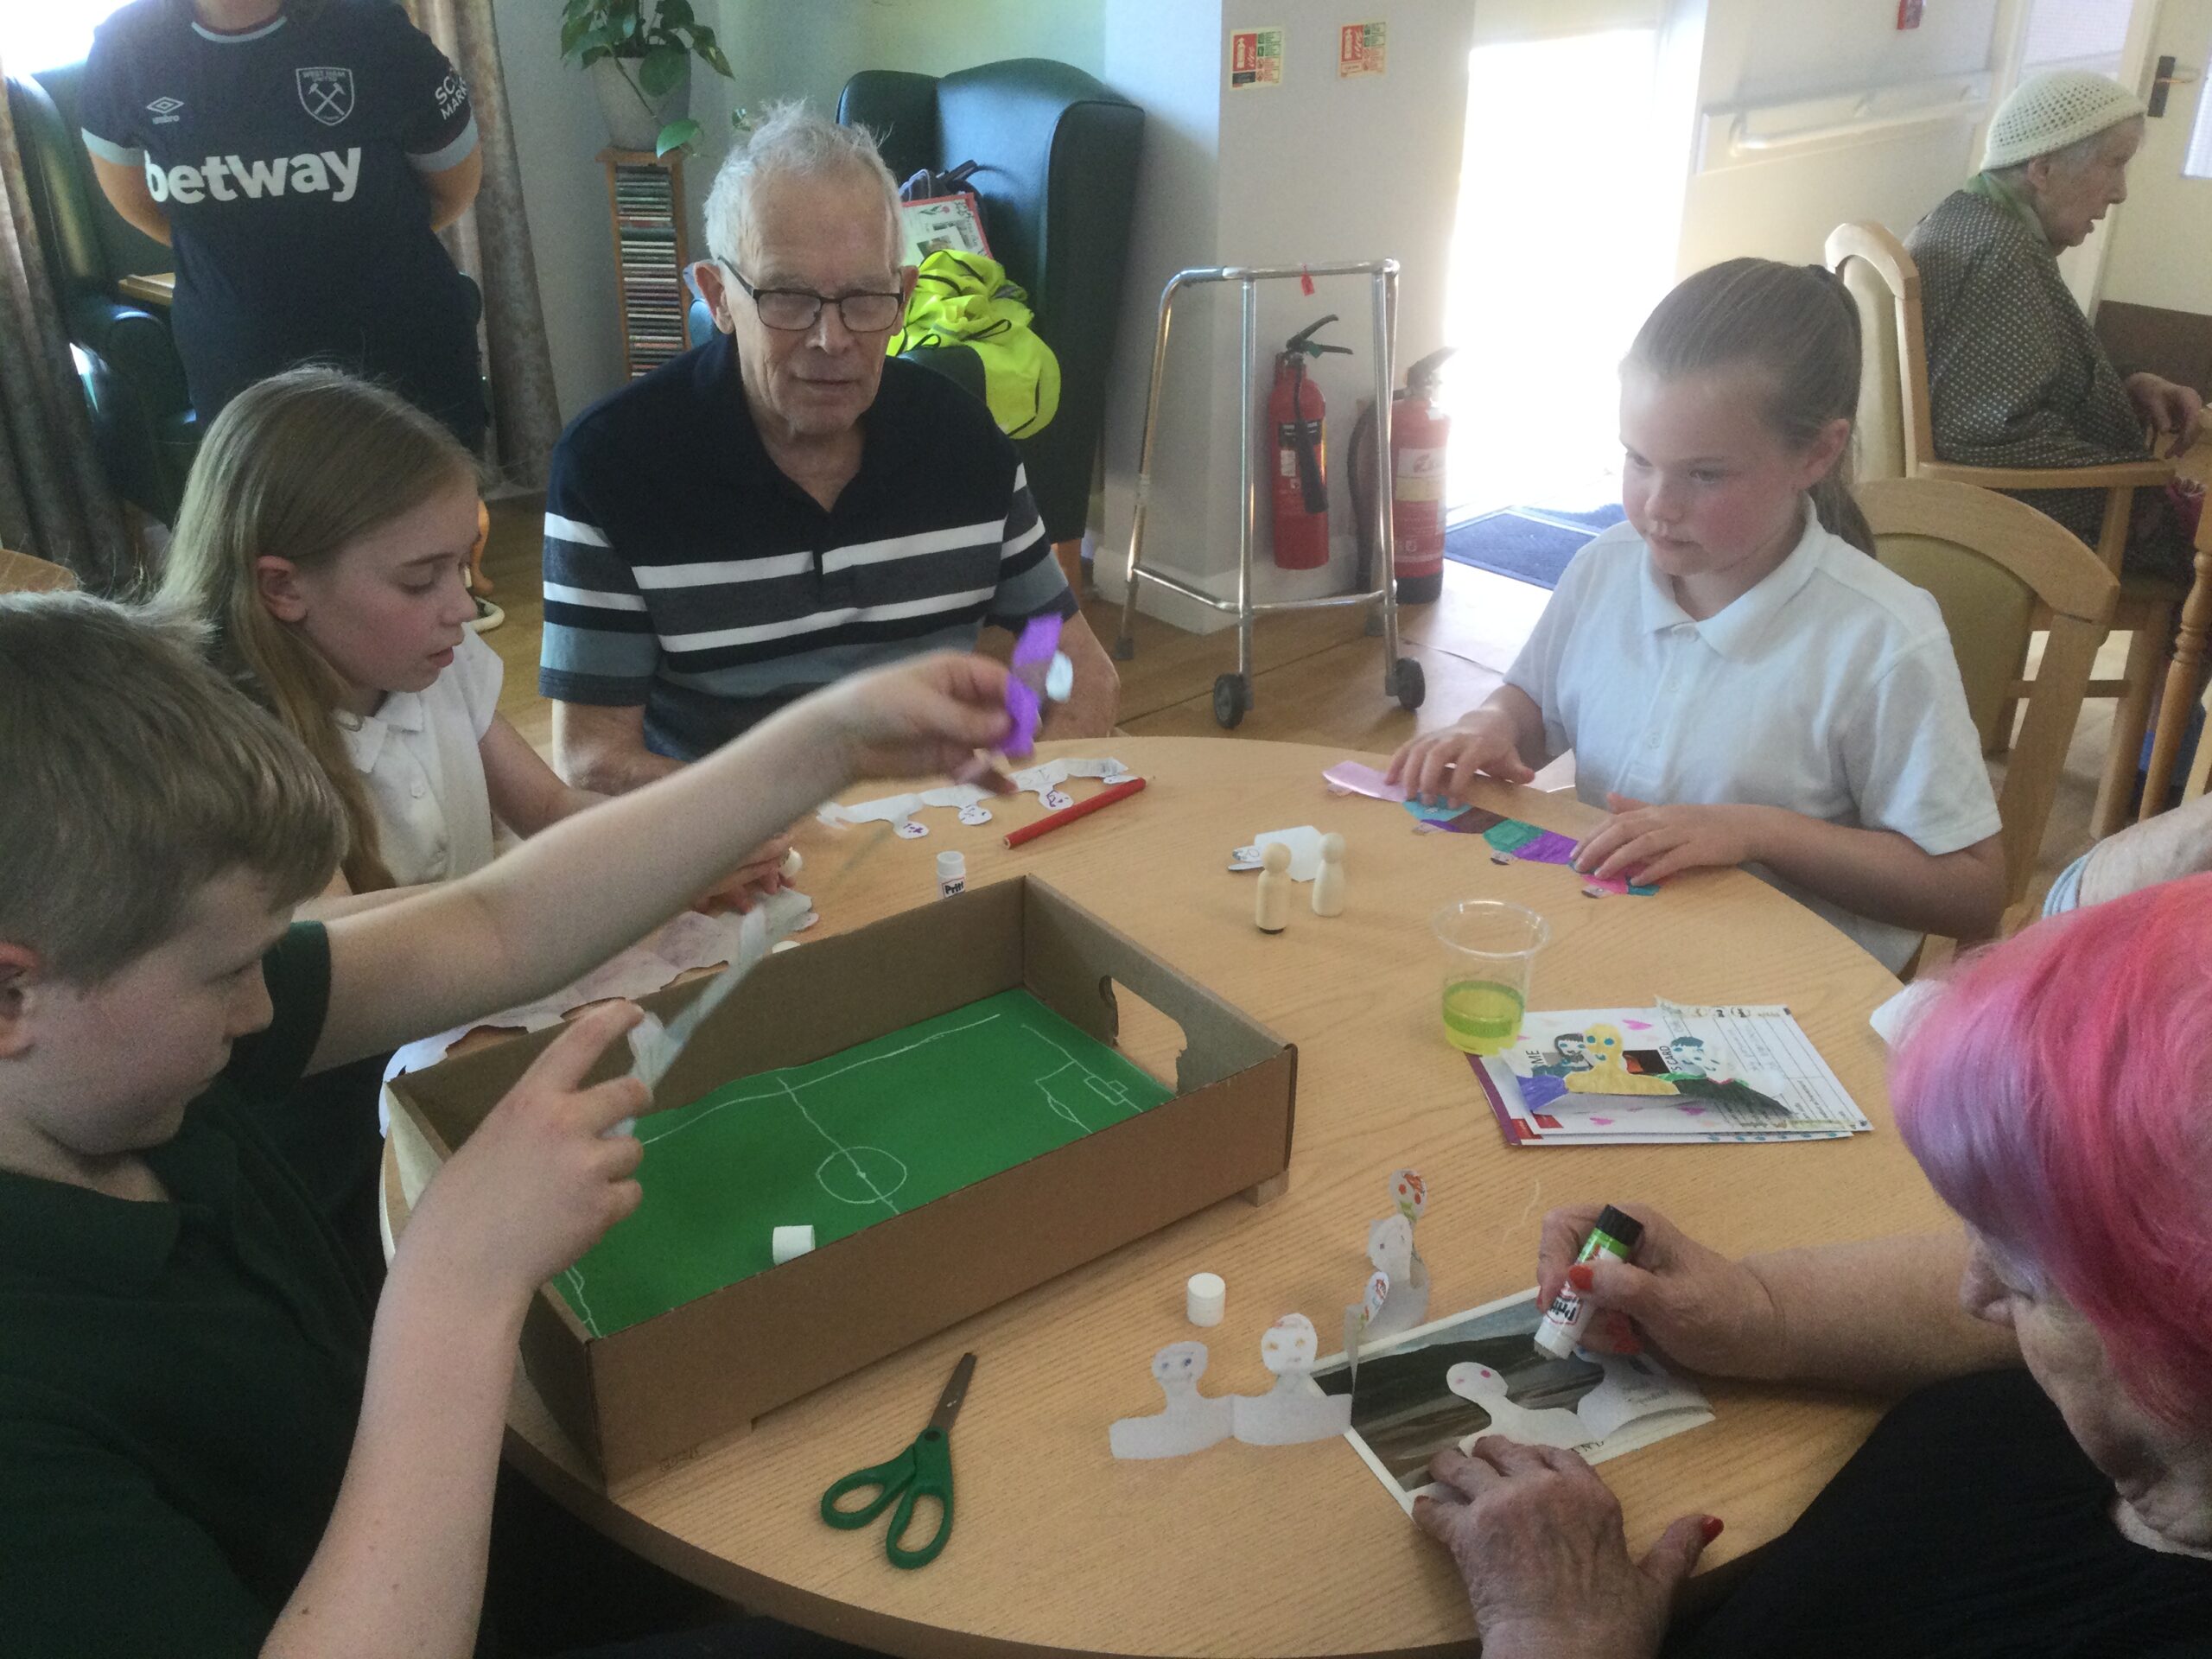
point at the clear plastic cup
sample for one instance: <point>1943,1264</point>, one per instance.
<point>1489,949</point>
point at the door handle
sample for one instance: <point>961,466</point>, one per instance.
<point>2169,75</point>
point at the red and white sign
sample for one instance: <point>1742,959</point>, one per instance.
<point>1360,49</point>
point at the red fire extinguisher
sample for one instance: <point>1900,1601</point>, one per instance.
<point>1419,433</point>
<point>1297,419</point>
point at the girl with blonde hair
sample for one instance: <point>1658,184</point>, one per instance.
<point>324,541</point>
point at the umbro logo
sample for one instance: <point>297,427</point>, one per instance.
<point>164,110</point>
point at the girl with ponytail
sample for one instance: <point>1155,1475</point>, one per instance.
<point>1738,682</point>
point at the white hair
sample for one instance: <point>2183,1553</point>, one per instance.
<point>791,141</point>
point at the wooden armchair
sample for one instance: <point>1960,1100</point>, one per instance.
<point>1895,441</point>
<point>1996,569</point>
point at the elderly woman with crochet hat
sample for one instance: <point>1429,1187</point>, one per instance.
<point>2043,1485</point>
<point>2017,376</point>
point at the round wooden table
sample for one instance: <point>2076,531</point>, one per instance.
<point>1243,1550</point>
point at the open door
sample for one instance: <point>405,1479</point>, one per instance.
<point>2157,308</point>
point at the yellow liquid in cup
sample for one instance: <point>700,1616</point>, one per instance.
<point>1481,1015</point>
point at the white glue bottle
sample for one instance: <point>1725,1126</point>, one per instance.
<point>1614,1238</point>
<point>951,874</point>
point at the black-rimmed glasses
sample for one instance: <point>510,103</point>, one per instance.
<point>796,309</point>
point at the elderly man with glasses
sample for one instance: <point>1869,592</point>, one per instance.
<point>783,506</point>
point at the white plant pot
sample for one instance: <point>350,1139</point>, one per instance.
<point>633,118</point>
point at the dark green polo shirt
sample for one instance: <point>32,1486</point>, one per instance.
<point>179,1382</point>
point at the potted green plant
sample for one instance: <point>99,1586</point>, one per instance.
<point>638,54</point>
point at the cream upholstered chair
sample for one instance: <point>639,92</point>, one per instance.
<point>1997,568</point>
<point>1895,441</point>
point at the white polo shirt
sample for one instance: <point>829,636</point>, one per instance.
<point>419,755</point>
<point>1829,689</point>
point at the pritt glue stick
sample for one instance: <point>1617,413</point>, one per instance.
<point>1614,1237</point>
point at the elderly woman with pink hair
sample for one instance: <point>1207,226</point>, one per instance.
<point>2044,1485</point>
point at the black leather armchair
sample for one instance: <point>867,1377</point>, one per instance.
<point>1057,180</point>
<point>143,418</point>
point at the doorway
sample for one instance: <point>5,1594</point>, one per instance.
<point>1565,237</point>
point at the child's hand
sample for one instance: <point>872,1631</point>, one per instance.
<point>536,1185</point>
<point>760,874</point>
<point>1645,843</point>
<point>1442,766</point>
<point>921,718</point>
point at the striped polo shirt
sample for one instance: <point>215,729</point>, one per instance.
<point>686,573</point>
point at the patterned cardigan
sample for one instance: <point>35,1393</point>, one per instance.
<point>2017,376</point>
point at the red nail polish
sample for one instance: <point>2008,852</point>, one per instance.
<point>1710,1527</point>
<point>1581,1277</point>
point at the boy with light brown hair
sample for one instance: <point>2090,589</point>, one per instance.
<point>207,1443</point>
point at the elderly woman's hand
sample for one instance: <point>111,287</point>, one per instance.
<point>2168,408</point>
<point>1698,1306</point>
<point>1537,1539</point>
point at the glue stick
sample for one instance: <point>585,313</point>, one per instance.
<point>951,874</point>
<point>1614,1238</point>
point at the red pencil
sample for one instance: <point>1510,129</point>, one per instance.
<point>1107,797</point>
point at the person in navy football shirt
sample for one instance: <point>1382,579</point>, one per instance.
<point>301,157</point>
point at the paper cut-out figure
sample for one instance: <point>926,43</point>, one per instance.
<point>1607,1075</point>
<point>1290,1412</point>
<point>1704,1075</point>
<point>1410,1193</point>
<point>1390,1249</point>
<point>1545,1426</point>
<point>1192,1422</point>
<point>1362,1315</point>
<point>1569,1046</point>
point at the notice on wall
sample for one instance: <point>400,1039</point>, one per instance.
<point>1255,58</point>
<point>1360,49</point>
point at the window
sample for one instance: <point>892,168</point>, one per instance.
<point>41,33</point>
<point>2075,35</point>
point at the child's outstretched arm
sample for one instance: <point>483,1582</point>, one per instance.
<point>528,795</point>
<point>1494,738</point>
<point>1877,873</point>
<point>567,899</point>
<point>401,1566</point>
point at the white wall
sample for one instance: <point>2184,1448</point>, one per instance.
<point>1318,168</point>
<point>558,131</point>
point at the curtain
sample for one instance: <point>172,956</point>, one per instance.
<point>54,500</point>
<point>491,243</point>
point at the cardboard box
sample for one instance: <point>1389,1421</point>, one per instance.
<point>636,1399</point>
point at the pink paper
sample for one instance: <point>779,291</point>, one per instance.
<point>1351,778</point>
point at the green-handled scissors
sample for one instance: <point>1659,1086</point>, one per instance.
<point>923,1470</point>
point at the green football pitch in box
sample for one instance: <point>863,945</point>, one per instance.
<point>920,1092</point>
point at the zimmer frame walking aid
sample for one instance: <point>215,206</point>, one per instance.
<point>1232,693</point>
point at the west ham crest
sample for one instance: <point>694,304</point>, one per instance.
<point>326,94</point>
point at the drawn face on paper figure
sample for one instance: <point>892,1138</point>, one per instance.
<point>1604,1045</point>
<point>1476,1382</point>
<point>1290,1347</point>
<point>1372,1298</point>
<point>1390,1244</point>
<point>1688,1054</point>
<point>1410,1193</point>
<point>1571,1045</point>
<point>1178,1367</point>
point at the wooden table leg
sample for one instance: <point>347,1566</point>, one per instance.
<point>2183,679</point>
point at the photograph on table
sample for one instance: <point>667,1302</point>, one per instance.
<point>1451,1381</point>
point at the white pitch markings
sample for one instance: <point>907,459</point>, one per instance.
<point>574,1276</point>
<point>784,1087</point>
<point>1109,1089</point>
<point>867,1181</point>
